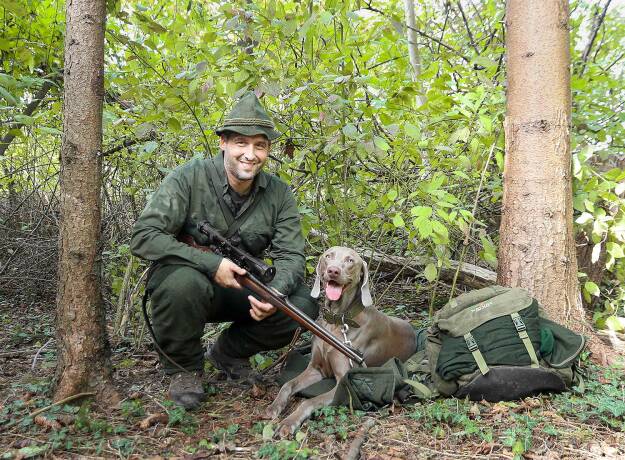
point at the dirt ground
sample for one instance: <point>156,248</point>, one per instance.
<point>229,425</point>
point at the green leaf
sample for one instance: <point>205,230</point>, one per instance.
<point>591,288</point>
<point>268,432</point>
<point>584,218</point>
<point>174,124</point>
<point>412,131</point>
<point>441,231</point>
<point>381,143</point>
<point>424,225</point>
<point>615,323</point>
<point>8,96</point>
<point>24,119</point>
<point>398,221</point>
<point>430,272</point>
<point>616,250</point>
<point>421,211</point>
<point>350,131</point>
<point>46,129</point>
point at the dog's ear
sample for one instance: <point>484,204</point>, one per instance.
<point>316,290</point>
<point>365,292</point>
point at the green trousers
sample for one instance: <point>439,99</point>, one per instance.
<point>185,299</point>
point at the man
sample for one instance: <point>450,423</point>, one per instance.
<point>190,287</point>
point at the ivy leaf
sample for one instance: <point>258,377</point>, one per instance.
<point>430,272</point>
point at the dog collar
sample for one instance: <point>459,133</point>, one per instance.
<point>344,318</point>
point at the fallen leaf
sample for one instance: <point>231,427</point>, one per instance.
<point>46,423</point>
<point>153,419</point>
<point>258,391</point>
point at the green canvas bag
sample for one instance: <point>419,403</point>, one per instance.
<point>494,344</point>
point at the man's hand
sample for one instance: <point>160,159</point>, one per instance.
<point>260,310</point>
<point>224,276</point>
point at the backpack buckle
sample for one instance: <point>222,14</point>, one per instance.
<point>518,323</point>
<point>471,343</point>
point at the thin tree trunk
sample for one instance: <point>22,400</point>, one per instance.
<point>83,349</point>
<point>537,248</point>
<point>413,49</point>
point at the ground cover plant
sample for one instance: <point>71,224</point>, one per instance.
<point>570,425</point>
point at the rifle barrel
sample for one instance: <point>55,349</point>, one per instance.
<point>249,281</point>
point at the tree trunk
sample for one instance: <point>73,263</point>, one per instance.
<point>83,349</point>
<point>537,248</point>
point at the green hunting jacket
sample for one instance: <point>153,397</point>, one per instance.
<point>187,196</point>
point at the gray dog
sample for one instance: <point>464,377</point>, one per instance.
<point>345,279</point>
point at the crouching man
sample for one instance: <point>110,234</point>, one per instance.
<point>190,287</point>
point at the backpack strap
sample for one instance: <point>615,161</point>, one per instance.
<point>521,330</point>
<point>477,354</point>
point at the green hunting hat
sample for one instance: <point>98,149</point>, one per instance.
<point>248,117</point>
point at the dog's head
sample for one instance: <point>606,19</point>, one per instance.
<point>342,270</point>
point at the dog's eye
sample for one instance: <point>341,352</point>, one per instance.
<point>349,260</point>
<point>328,255</point>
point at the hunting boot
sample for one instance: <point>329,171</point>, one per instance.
<point>237,369</point>
<point>185,389</point>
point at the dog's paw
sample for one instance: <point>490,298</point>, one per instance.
<point>287,428</point>
<point>271,412</point>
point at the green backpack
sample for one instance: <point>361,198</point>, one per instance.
<point>494,344</point>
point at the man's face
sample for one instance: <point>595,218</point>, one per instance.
<point>244,156</point>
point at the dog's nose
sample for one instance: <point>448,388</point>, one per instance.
<point>334,271</point>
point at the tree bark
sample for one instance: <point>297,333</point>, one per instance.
<point>537,248</point>
<point>83,349</point>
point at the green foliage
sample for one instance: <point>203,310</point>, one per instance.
<point>451,416</point>
<point>285,450</point>
<point>180,418</point>
<point>601,400</point>
<point>334,420</point>
<point>377,159</point>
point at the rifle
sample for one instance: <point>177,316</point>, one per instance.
<point>258,274</point>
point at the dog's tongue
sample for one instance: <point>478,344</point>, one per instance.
<point>333,291</point>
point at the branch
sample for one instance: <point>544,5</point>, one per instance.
<point>593,35</point>
<point>28,111</point>
<point>466,25</point>
<point>420,32</point>
<point>128,142</point>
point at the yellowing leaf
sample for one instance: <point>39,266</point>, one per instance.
<point>430,272</point>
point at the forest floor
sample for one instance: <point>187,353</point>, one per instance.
<point>228,425</point>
